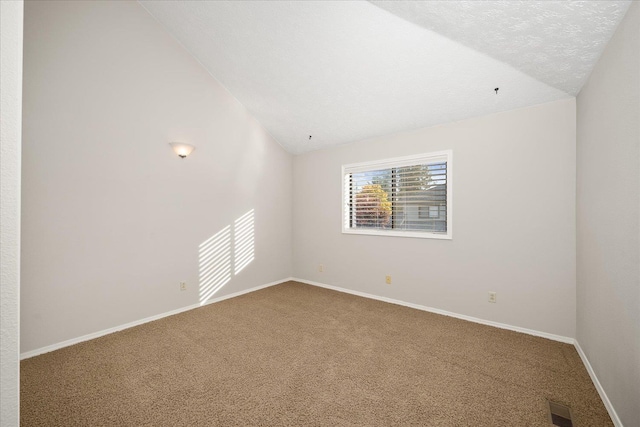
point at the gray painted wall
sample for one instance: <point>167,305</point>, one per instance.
<point>608,219</point>
<point>513,221</point>
<point>11,15</point>
<point>112,218</point>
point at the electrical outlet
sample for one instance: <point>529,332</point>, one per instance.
<point>492,296</point>
<point>320,268</point>
<point>388,280</point>
<point>183,286</point>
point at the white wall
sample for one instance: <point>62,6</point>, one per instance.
<point>513,221</point>
<point>11,16</point>
<point>608,219</point>
<point>112,218</point>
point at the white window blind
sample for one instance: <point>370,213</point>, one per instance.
<point>408,196</point>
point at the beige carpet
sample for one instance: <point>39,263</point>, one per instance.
<point>295,355</point>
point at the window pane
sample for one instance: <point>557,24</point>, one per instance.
<point>420,198</point>
<point>371,199</point>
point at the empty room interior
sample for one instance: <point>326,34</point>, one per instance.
<point>320,213</point>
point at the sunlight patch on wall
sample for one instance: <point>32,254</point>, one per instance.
<point>243,241</point>
<point>214,259</point>
<point>214,255</point>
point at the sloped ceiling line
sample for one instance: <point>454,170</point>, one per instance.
<point>351,70</point>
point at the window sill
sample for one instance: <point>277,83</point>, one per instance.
<point>414,234</point>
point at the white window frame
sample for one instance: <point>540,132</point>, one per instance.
<point>434,157</point>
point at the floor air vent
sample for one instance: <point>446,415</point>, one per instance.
<point>559,415</point>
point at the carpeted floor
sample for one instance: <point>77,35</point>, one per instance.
<point>296,355</point>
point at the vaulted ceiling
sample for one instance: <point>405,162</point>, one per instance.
<point>351,70</point>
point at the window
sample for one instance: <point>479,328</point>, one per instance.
<point>404,196</point>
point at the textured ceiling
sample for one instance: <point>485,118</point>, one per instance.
<point>346,71</point>
<point>557,42</point>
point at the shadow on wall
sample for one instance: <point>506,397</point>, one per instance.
<point>215,258</point>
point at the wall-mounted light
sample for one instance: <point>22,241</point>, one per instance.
<point>182,149</point>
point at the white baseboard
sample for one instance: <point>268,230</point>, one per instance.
<point>93,335</point>
<point>568,340</point>
<point>547,335</point>
<point>560,338</point>
<point>596,383</point>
